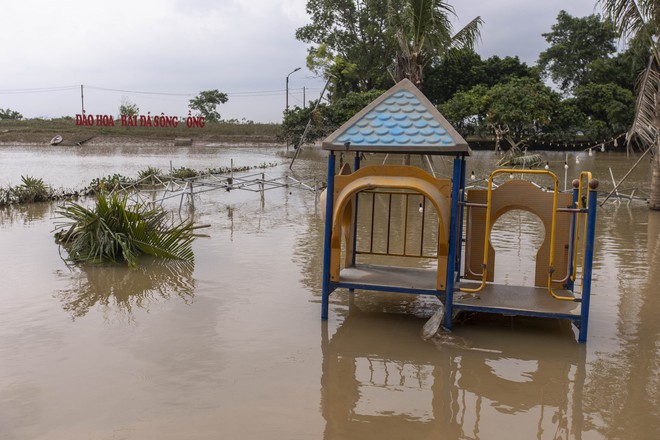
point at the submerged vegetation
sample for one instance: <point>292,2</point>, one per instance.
<point>31,190</point>
<point>34,189</point>
<point>116,230</point>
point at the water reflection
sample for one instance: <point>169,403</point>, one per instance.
<point>25,213</point>
<point>380,380</point>
<point>120,290</point>
<point>624,386</point>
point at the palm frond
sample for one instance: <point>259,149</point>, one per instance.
<point>628,15</point>
<point>468,36</point>
<point>644,130</point>
<point>114,230</point>
<point>424,30</point>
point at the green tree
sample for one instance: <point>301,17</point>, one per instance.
<point>568,121</point>
<point>206,102</point>
<point>457,73</point>
<point>128,108</point>
<point>496,70</point>
<point>622,69</point>
<point>10,114</point>
<point>325,119</point>
<point>464,69</point>
<point>522,105</point>
<point>343,74</point>
<point>424,32</point>
<point>639,20</point>
<point>519,108</point>
<point>614,106</point>
<point>575,44</point>
<point>355,32</point>
<point>296,119</point>
<point>467,110</point>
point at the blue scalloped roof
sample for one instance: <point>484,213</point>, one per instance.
<point>401,120</point>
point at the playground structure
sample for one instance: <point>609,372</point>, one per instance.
<point>377,216</point>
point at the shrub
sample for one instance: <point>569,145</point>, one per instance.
<point>30,190</point>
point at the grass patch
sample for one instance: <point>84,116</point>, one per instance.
<point>42,130</point>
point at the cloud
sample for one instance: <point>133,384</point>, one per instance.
<point>245,48</point>
<point>515,27</point>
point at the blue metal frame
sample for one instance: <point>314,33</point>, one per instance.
<point>459,254</point>
<point>356,166</point>
<point>588,263</point>
<point>380,288</point>
<point>453,241</point>
<point>327,235</point>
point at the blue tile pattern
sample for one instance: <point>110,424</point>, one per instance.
<point>399,120</point>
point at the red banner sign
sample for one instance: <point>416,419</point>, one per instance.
<point>161,121</point>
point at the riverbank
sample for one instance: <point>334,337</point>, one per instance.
<point>40,132</point>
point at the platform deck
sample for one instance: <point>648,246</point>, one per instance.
<point>494,298</point>
<point>518,300</point>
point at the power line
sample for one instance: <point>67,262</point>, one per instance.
<point>255,93</point>
<point>106,89</point>
<point>38,90</point>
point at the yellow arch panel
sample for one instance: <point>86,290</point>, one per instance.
<point>518,194</point>
<point>437,191</point>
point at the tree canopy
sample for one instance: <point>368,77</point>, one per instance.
<point>362,45</point>
<point>575,44</point>
<point>10,114</point>
<point>206,102</point>
<point>352,33</point>
<point>128,108</point>
<point>366,45</point>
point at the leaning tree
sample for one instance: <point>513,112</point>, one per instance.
<point>639,20</point>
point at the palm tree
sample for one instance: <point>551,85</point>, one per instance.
<point>424,32</point>
<point>639,20</point>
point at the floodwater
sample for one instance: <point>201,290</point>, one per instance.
<point>233,347</point>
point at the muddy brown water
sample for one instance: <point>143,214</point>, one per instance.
<point>234,347</point>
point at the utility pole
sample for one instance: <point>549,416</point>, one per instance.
<point>82,99</point>
<point>287,98</point>
<point>304,99</point>
<point>287,87</point>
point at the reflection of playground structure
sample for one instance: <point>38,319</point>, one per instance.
<point>380,380</point>
<point>123,289</point>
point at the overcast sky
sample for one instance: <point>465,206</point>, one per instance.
<point>169,50</point>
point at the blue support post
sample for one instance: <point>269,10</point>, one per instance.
<point>356,166</point>
<point>459,242</point>
<point>570,284</point>
<point>588,262</point>
<point>327,235</point>
<point>453,237</point>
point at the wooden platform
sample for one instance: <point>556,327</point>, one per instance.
<point>494,298</point>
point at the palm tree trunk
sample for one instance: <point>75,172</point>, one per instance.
<point>654,197</point>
